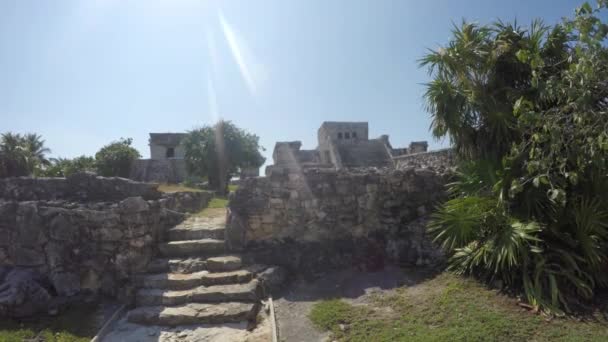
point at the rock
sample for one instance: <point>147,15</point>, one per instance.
<point>65,283</point>
<point>133,205</point>
<point>273,278</point>
<point>62,229</point>
<point>5,237</point>
<point>23,292</point>
<point>23,256</point>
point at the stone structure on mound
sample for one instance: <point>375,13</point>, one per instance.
<point>351,201</point>
<point>342,145</point>
<point>64,237</point>
<point>167,163</point>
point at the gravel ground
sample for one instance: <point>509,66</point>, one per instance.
<point>294,304</point>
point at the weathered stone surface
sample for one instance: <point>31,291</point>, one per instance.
<point>25,256</point>
<point>191,247</point>
<point>248,292</point>
<point>83,186</point>
<point>65,283</point>
<point>326,218</point>
<point>272,279</point>
<point>196,233</point>
<point>180,281</point>
<point>23,292</point>
<point>86,232</point>
<point>224,263</point>
<point>60,228</point>
<point>190,265</point>
<point>193,314</point>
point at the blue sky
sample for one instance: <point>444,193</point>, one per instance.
<point>85,72</point>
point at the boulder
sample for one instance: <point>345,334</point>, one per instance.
<point>23,292</point>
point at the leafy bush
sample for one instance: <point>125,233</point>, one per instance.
<point>116,158</point>
<point>218,152</point>
<point>527,113</point>
<point>63,167</point>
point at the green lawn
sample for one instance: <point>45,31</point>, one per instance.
<point>78,324</point>
<point>448,308</point>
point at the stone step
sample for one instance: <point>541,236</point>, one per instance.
<point>182,281</point>
<point>195,233</point>
<point>191,248</point>
<point>222,263</point>
<point>194,313</point>
<point>248,292</point>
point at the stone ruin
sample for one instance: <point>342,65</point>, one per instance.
<point>342,145</point>
<point>64,238</point>
<point>167,163</point>
<point>351,201</point>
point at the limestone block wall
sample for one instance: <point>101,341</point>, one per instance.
<point>159,170</point>
<point>84,244</point>
<point>320,218</point>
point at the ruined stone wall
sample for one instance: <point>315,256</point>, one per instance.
<point>159,170</point>
<point>86,244</point>
<point>437,160</point>
<point>85,186</point>
<point>321,218</point>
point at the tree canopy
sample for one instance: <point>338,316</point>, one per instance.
<point>220,151</point>
<point>526,110</point>
<point>116,158</point>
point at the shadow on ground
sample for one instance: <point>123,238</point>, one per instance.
<point>295,302</point>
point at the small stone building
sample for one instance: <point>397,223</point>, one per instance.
<point>166,146</point>
<point>166,163</point>
<point>342,145</point>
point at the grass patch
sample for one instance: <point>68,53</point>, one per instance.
<point>232,187</point>
<point>218,202</point>
<point>448,308</point>
<point>170,188</point>
<point>77,324</point>
<point>215,208</point>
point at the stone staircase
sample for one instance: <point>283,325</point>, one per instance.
<point>195,282</point>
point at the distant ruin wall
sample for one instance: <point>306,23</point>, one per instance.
<point>81,241</point>
<point>320,218</point>
<point>85,186</point>
<point>159,170</point>
<point>437,160</point>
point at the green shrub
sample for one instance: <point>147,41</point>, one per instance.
<point>116,158</point>
<point>527,111</point>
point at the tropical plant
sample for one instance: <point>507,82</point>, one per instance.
<point>63,167</point>
<point>218,152</point>
<point>22,155</point>
<point>527,111</point>
<point>116,158</point>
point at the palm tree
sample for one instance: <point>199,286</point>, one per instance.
<point>477,78</point>
<point>13,157</point>
<point>36,152</point>
<point>22,155</point>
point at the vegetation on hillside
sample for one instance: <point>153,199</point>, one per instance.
<point>220,151</point>
<point>26,155</point>
<point>63,167</point>
<point>527,112</point>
